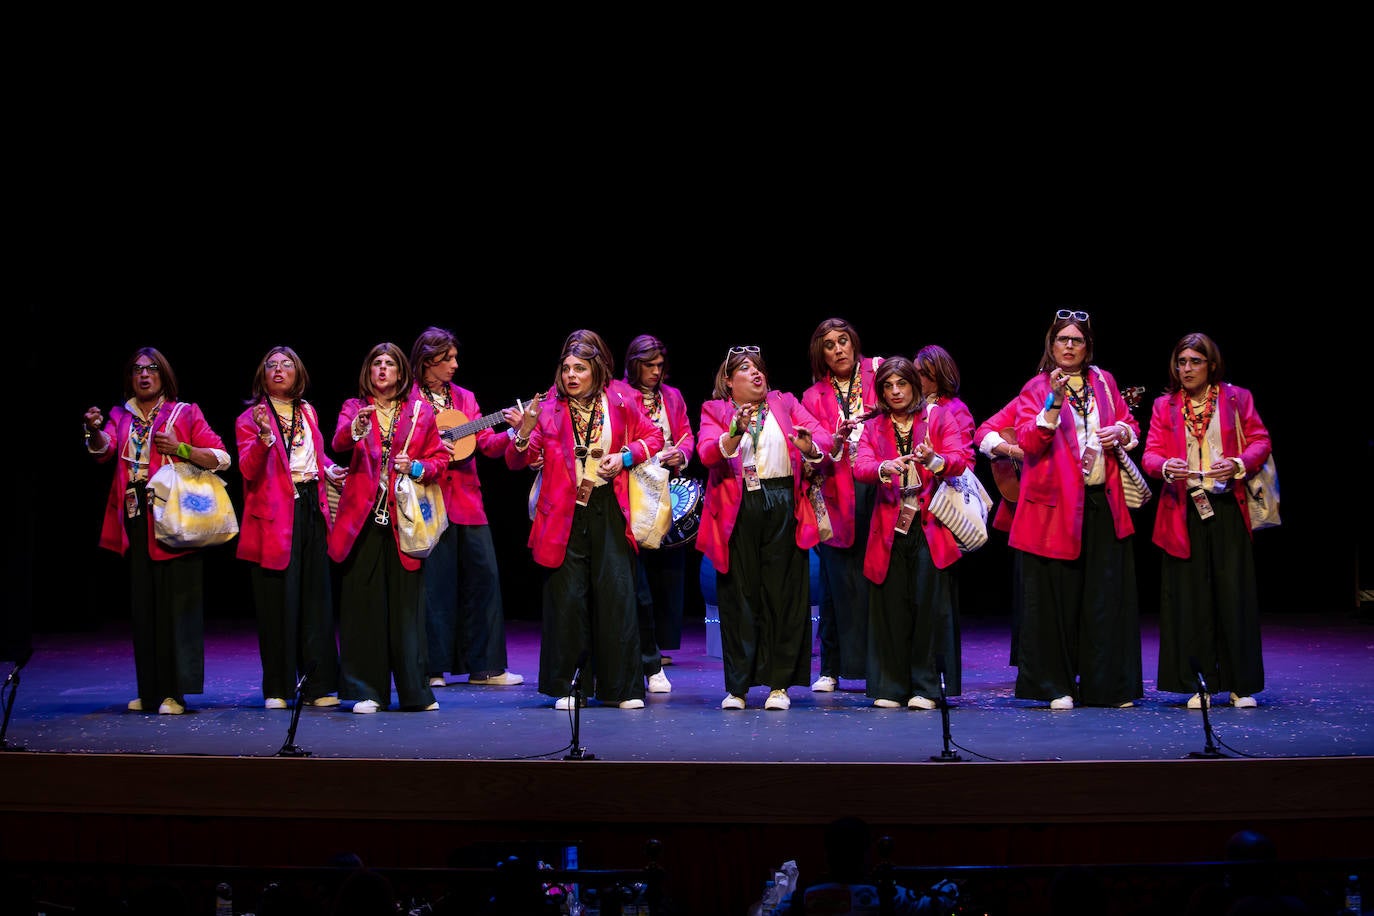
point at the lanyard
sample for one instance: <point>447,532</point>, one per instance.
<point>285,439</point>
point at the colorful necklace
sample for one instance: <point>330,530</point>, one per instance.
<point>586,419</point>
<point>441,401</point>
<point>851,400</point>
<point>1198,421</point>
<point>1082,399</point>
<point>653,403</point>
<point>138,433</point>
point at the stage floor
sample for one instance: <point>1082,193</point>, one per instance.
<point>1319,702</point>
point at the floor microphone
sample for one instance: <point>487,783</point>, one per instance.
<point>1210,749</point>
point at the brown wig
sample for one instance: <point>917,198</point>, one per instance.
<point>260,377</point>
<point>1086,326</point>
<point>386,348</point>
<point>733,360</point>
<point>935,363</point>
<point>1216,366</point>
<point>152,355</point>
<point>433,343</point>
<point>901,367</point>
<point>593,356</point>
<point>642,350</point>
<point>819,368</point>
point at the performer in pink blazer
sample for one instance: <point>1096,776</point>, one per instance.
<point>913,601</point>
<point>661,581</point>
<point>843,391</point>
<point>285,530</point>
<point>1006,457</point>
<point>382,611</point>
<point>1205,437</point>
<point>465,619</point>
<point>1080,633</point>
<point>587,436</point>
<point>757,525</point>
<point>166,587</point>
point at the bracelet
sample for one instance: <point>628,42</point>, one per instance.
<point>626,458</point>
<point>184,451</point>
<point>521,443</point>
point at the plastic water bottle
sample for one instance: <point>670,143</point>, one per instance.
<point>1353,903</point>
<point>224,900</point>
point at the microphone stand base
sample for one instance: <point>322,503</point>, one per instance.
<point>945,757</point>
<point>290,750</point>
<point>580,754</point>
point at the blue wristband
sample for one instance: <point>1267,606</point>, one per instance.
<point>1049,401</point>
<point>626,457</point>
<point>417,470</point>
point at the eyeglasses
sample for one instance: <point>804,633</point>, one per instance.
<point>734,350</point>
<point>1184,362</point>
<point>284,365</point>
<point>1067,313</point>
<point>146,367</point>
<point>1067,341</point>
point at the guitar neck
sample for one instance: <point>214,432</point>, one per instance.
<point>472,426</point>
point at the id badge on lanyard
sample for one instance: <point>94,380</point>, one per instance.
<point>584,487</point>
<point>751,478</point>
<point>1202,503</point>
<point>911,507</point>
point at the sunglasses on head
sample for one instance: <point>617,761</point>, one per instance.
<point>734,350</point>
<point>1068,313</point>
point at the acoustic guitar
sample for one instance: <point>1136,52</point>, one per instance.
<point>1006,472</point>
<point>456,428</point>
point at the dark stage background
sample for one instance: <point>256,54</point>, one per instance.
<point>215,316</point>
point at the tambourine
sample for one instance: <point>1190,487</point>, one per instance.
<point>685,493</point>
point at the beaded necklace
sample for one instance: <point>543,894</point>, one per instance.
<point>1199,421</point>
<point>1082,399</point>
<point>653,403</point>
<point>851,400</point>
<point>586,419</point>
<point>755,428</point>
<point>904,437</point>
<point>442,401</point>
<point>138,434</point>
<point>296,438</point>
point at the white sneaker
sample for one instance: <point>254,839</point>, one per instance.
<point>658,683</point>
<point>920,703</point>
<point>504,679</point>
<point>432,706</point>
<point>824,684</point>
<point>365,707</point>
<point>1195,701</point>
<point>1243,702</point>
<point>778,699</point>
<point>566,703</point>
<point>327,700</point>
<point>1126,705</point>
<point>136,705</point>
<point>274,703</point>
<point>171,707</point>
<point>631,704</point>
<point>887,704</point>
<point>1064,702</point>
<point>438,682</point>
<point>732,702</point>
